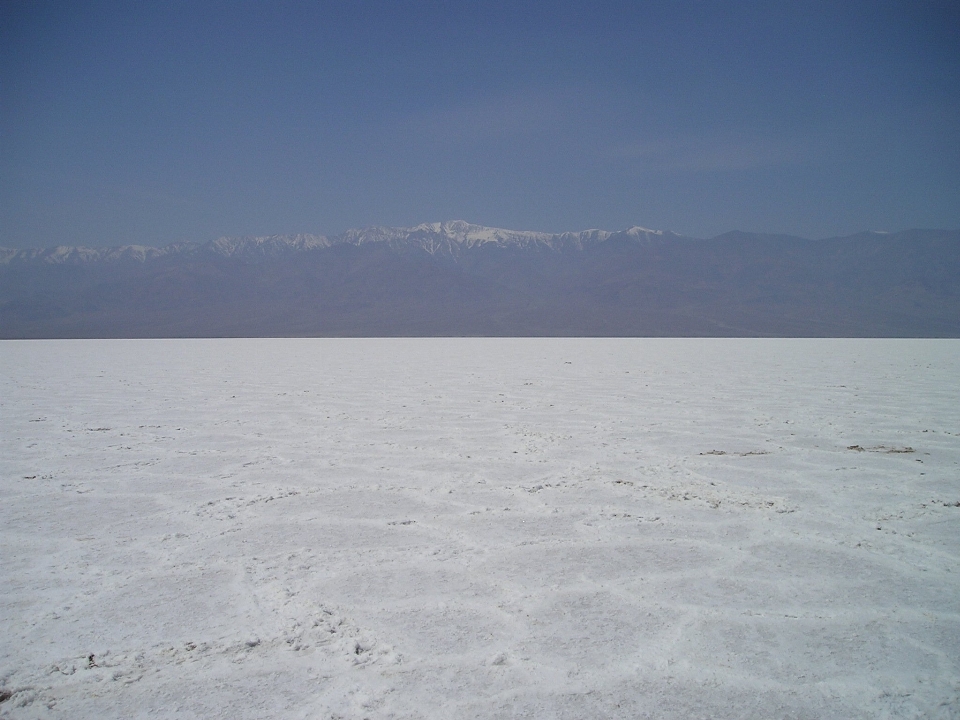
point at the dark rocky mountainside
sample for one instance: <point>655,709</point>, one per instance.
<point>461,279</point>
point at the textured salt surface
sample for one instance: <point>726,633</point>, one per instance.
<point>480,528</point>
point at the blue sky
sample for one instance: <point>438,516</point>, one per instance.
<point>160,122</point>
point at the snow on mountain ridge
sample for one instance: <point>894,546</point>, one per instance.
<point>266,245</point>
<point>456,236</point>
<point>456,231</point>
<point>636,230</point>
<point>450,238</point>
<point>68,255</point>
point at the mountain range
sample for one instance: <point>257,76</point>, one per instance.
<point>456,278</point>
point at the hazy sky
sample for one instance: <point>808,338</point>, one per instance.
<point>155,122</point>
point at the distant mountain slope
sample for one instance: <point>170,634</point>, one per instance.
<point>461,279</point>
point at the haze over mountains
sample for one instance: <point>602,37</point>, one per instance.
<point>461,279</point>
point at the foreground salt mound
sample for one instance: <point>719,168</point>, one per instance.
<point>480,528</point>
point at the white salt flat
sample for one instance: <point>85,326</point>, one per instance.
<point>480,528</point>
